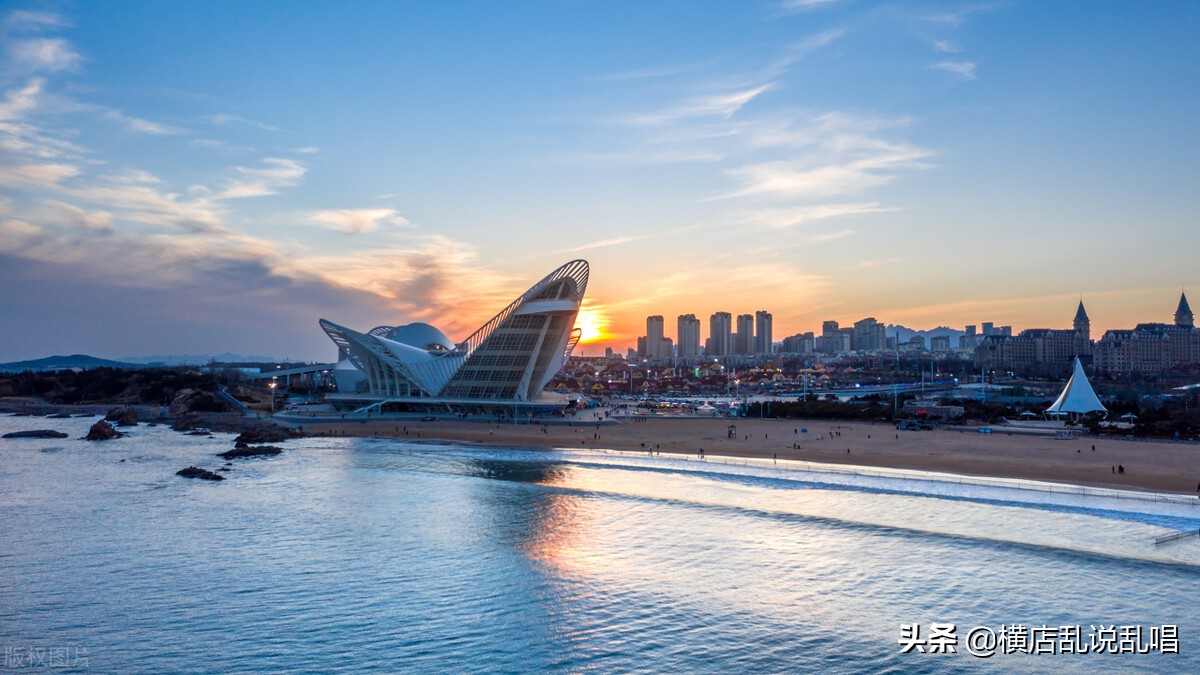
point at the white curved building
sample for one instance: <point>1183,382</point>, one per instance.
<point>506,363</point>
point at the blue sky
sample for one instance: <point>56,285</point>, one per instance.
<point>206,177</point>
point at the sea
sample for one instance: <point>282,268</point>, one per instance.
<point>382,555</point>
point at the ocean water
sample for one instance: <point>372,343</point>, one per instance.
<point>353,555</point>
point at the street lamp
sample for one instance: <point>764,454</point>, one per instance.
<point>272,386</point>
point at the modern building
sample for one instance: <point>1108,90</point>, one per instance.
<point>763,343</point>
<point>655,346</point>
<point>501,368</point>
<point>801,343</point>
<point>744,340</point>
<point>868,335</point>
<point>688,336</point>
<point>1151,347</point>
<point>720,330</point>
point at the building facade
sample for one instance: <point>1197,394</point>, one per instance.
<point>720,330</point>
<point>1151,347</point>
<point>743,342</point>
<point>688,335</point>
<point>506,362</point>
<point>763,341</point>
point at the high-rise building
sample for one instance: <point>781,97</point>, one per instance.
<point>763,343</point>
<point>688,335</point>
<point>802,343</point>
<point>744,342</point>
<point>720,329</point>
<point>868,335</point>
<point>656,346</point>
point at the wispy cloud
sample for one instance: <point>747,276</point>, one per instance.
<point>223,119</point>
<point>43,55</point>
<point>831,236</point>
<point>602,243</point>
<point>794,216</point>
<point>964,69</point>
<point>276,173</point>
<point>722,105</point>
<point>356,221</point>
<point>791,6</point>
<point>140,125</point>
<point>945,47</point>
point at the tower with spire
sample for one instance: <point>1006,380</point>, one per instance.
<point>1183,315</point>
<point>1083,325</point>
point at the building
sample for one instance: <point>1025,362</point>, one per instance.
<point>868,335</point>
<point>655,346</point>
<point>763,342</point>
<point>940,343</point>
<point>720,330</point>
<point>688,335</point>
<point>801,343</point>
<point>743,342</point>
<point>1035,348</point>
<point>1151,347</point>
<point>501,368</point>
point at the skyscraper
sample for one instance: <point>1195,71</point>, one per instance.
<point>720,326</point>
<point>658,348</point>
<point>744,342</point>
<point>762,328</point>
<point>688,336</point>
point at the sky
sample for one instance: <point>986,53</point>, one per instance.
<point>207,177</point>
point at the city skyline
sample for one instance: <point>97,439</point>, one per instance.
<point>925,164</point>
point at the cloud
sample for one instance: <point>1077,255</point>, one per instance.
<point>945,47</point>
<point>30,174</point>
<point>23,20</point>
<point>356,221</point>
<point>265,180</point>
<point>602,243</point>
<point>722,105</point>
<point>804,5</point>
<point>852,170</point>
<point>44,54</point>
<point>964,69</point>
<point>831,236</point>
<point>787,217</point>
<point>223,119</point>
<point>140,125</point>
<point>307,150</point>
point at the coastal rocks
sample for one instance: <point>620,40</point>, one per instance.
<point>264,433</point>
<point>243,450</point>
<point>36,433</point>
<point>102,431</point>
<point>122,416</point>
<point>197,472</point>
<point>186,423</point>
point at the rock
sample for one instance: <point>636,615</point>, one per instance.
<point>197,472</point>
<point>264,433</point>
<point>36,433</point>
<point>198,432</point>
<point>102,431</point>
<point>123,416</point>
<point>251,451</point>
<point>59,416</point>
<point>186,423</point>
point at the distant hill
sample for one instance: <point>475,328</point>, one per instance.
<point>904,334</point>
<point>197,359</point>
<point>74,361</point>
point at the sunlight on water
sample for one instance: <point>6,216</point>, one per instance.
<point>360,554</point>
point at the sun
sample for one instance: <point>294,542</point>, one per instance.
<point>592,324</point>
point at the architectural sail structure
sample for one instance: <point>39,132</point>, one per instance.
<point>1077,397</point>
<point>507,361</point>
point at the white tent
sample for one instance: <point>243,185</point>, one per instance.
<point>1077,397</point>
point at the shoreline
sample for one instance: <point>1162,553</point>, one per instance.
<point>1168,468</point>
<point>1149,465</point>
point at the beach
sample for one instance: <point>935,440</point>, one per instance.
<point>1148,465</point>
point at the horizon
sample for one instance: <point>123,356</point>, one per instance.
<point>931,164</point>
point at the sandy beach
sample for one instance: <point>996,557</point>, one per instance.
<point>1154,466</point>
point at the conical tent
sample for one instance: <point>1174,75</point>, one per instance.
<point>1077,397</point>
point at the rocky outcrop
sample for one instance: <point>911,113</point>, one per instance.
<point>243,450</point>
<point>123,416</point>
<point>186,423</point>
<point>197,472</point>
<point>102,431</point>
<point>264,433</point>
<point>36,433</point>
